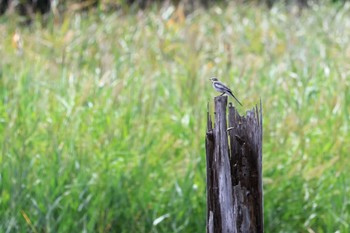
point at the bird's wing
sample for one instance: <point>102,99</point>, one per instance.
<point>221,87</point>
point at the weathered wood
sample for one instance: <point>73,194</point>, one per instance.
<point>234,177</point>
<point>209,146</point>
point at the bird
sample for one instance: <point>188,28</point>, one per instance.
<point>220,87</point>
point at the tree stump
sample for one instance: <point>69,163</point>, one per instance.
<point>234,170</point>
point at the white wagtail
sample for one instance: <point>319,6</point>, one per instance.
<point>220,87</point>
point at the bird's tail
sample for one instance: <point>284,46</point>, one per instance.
<point>235,98</point>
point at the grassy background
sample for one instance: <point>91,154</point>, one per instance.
<point>102,118</point>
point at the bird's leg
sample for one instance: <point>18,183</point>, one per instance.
<point>222,94</point>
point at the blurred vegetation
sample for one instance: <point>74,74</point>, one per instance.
<point>30,7</point>
<point>102,116</point>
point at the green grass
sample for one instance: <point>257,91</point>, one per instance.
<point>102,118</point>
